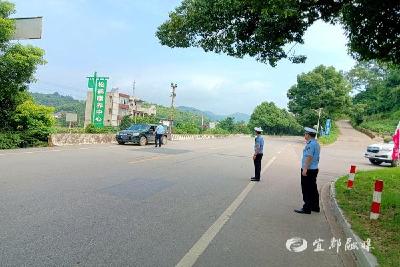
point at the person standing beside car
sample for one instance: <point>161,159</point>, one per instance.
<point>160,131</point>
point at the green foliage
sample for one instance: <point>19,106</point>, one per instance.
<point>92,129</point>
<point>179,116</point>
<point>324,88</point>
<point>10,140</point>
<point>75,130</point>
<point>35,121</point>
<point>274,120</point>
<point>18,63</point>
<point>332,137</point>
<point>6,25</point>
<point>126,122</point>
<point>242,128</point>
<point>376,106</point>
<point>263,29</point>
<point>384,232</point>
<point>227,124</point>
<point>383,123</point>
<point>62,104</point>
<point>380,86</point>
<point>216,131</point>
<point>186,128</point>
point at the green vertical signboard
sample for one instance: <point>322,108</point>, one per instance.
<point>99,87</point>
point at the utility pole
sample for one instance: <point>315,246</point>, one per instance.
<point>173,95</point>
<point>319,117</point>
<point>134,98</point>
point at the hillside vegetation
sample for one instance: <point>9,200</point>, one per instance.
<point>62,104</point>
<point>376,106</point>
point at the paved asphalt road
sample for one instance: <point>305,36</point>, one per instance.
<point>110,205</point>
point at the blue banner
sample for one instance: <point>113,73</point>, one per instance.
<point>328,127</point>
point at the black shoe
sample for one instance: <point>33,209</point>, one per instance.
<point>316,210</point>
<point>254,179</point>
<point>302,211</point>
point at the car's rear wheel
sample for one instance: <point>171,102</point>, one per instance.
<point>121,143</point>
<point>375,162</point>
<point>395,163</point>
<point>142,141</point>
<point>164,140</point>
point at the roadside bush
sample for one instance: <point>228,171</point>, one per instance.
<point>35,122</point>
<point>186,128</point>
<point>90,128</point>
<point>216,131</point>
<point>10,140</point>
<point>69,130</point>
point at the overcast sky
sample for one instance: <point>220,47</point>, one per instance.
<point>117,39</point>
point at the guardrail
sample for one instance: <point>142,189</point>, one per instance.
<point>66,139</point>
<point>180,137</point>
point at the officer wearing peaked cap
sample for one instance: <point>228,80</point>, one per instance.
<point>258,154</point>
<point>309,173</point>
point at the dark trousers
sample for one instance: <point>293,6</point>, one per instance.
<point>159,139</point>
<point>257,166</point>
<point>310,190</point>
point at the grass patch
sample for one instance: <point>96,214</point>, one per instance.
<point>384,123</point>
<point>332,137</point>
<point>384,232</point>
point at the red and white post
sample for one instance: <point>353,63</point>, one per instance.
<point>376,201</point>
<point>352,174</point>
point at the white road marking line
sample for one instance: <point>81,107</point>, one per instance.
<point>29,152</point>
<point>84,148</point>
<point>201,245</point>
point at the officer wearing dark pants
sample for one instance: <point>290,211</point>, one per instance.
<point>309,173</point>
<point>160,130</point>
<point>258,154</point>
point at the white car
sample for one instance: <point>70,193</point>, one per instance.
<point>378,153</point>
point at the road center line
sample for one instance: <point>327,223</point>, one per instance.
<point>201,245</point>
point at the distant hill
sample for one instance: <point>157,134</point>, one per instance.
<point>184,114</point>
<point>62,104</point>
<point>215,117</point>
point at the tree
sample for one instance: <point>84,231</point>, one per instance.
<point>325,88</point>
<point>262,29</point>
<point>18,64</point>
<point>186,128</point>
<point>274,120</point>
<point>378,87</point>
<point>227,124</point>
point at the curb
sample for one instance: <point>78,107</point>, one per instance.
<point>364,258</point>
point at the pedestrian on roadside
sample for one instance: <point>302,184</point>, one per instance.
<point>160,131</point>
<point>309,173</point>
<point>258,154</point>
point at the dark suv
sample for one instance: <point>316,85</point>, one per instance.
<point>141,134</point>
